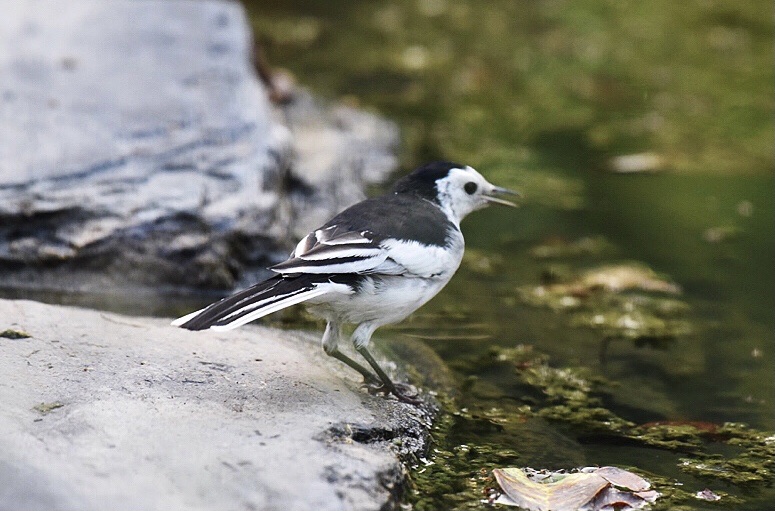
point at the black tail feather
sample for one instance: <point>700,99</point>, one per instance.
<point>274,286</point>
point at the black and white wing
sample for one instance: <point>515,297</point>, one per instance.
<point>390,236</point>
<point>327,260</point>
<point>335,250</point>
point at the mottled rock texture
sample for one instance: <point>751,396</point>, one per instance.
<point>138,149</point>
<point>102,411</point>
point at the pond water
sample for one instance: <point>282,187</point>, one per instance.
<point>719,372</point>
<point>541,97</point>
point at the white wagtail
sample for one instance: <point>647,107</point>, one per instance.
<point>371,265</point>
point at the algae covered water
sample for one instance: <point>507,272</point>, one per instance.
<point>580,378</point>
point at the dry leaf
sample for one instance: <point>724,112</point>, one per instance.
<point>623,478</point>
<point>568,494</point>
<point>589,489</point>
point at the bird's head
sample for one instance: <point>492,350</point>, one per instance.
<point>457,189</point>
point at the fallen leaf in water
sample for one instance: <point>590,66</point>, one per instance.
<point>611,498</point>
<point>623,478</point>
<point>568,493</point>
<point>708,495</point>
<point>623,277</point>
<point>589,489</point>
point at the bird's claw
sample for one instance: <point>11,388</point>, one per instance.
<point>402,392</point>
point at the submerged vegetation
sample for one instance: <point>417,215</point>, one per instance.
<point>574,400</point>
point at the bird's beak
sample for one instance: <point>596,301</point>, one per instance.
<point>497,190</point>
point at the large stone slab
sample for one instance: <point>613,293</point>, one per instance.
<point>105,411</point>
<point>138,148</point>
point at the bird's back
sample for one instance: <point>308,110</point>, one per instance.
<point>397,216</point>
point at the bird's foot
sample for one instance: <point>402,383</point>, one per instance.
<point>402,392</point>
<point>404,398</point>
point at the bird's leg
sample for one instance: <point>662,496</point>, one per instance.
<point>361,337</point>
<point>330,346</point>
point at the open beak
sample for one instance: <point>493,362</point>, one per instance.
<point>497,190</point>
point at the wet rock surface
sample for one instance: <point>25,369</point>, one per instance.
<point>101,408</point>
<point>148,154</point>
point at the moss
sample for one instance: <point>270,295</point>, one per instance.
<point>453,477</point>
<point>457,476</point>
<point>755,463</point>
<point>45,408</point>
<point>14,334</point>
<point>622,301</point>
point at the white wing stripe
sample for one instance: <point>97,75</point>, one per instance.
<point>293,300</point>
<point>345,239</point>
<point>424,260</point>
<point>257,304</point>
<point>339,252</point>
<point>361,266</point>
<point>185,318</point>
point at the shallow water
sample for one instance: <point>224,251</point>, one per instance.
<point>540,96</point>
<point>720,372</point>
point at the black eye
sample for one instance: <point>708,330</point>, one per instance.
<point>470,187</point>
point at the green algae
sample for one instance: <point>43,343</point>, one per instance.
<point>573,396</point>
<point>638,317</point>
<point>755,464</point>
<point>620,301</point>
<point>452,476</point>
<point>457,476</point>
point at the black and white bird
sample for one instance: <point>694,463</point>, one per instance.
<point>371,265</point>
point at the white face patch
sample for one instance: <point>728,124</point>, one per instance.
<point>461,192</point>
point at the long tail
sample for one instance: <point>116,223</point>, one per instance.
<point>264,298</point>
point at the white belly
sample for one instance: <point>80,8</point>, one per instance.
<point>381,300</point>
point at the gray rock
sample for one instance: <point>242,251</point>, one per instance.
<point>138,147</point>
<point>100,409</point>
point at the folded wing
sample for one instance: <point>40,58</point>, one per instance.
<point>335,250</point>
